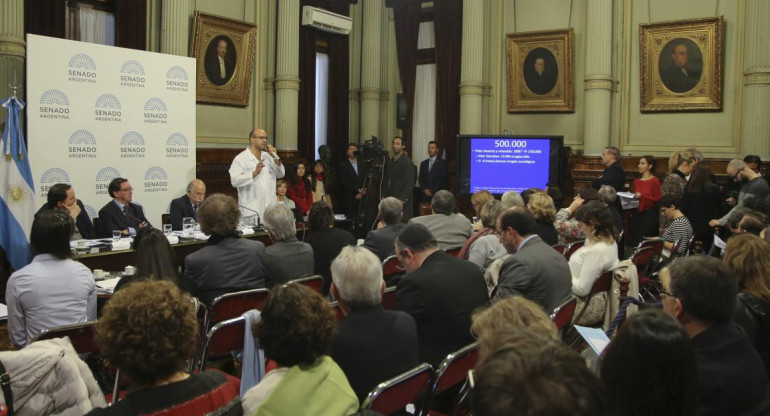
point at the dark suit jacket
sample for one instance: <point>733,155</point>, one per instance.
<point>212,70</point>
<point>675,80</point>
<point>546,231</point>
<point>398,182</point>
<point>327,244</point>
<point>441,296</point>
<point>112,218</point>
<point>227,264</point>
<point>537,272</point>
<point>372,345</point>
<point>350,182</point>
<point>287,260</point>
<point>180,208</point>
<point>83,222</point>
<point>612,176</point>
<point>435,179</point>
<point>381,241</point>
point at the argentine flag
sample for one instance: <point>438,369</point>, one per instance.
<point>17,208</point>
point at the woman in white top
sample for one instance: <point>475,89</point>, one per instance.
<point>600,252</point>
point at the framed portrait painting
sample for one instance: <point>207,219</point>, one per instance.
<point>681,65</point>
<point>224,52</point>
<point>540,72</point>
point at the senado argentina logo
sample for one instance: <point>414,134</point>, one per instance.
<point>132,74</point>
<point>82,145</point>
<point>54,105</point>
<point>82,68</point>
<point>176,79</point>
<point>177,146</point>
<point>155,111</point>
<point>132,145</point>
<point>51,177</point>
<point>155,180</point>
<point>103,179</point>
<point>107,108</point>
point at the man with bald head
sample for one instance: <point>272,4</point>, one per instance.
<point>187,205</point>
<point>254,172</point>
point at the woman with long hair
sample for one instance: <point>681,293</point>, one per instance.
<point>748,256</point>
<point>680,164</point>
<point>644,223</point>
<point>650,368</point>
<point>299,189</point>
<point>319,184</point>
<point>700,203</point>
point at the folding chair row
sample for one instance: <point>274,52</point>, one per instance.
<point>568,249</point>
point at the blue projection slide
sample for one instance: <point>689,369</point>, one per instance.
<point>509,164</point>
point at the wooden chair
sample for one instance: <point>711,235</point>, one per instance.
<point>563,314</point>
<point>572,248</point>
<point>223,337</point>
<point>389,299</point>
<point>231,305</point>
<point>453,371</point>
<point>394,394</point>
<point>315,282</point>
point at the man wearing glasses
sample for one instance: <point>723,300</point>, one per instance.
<point>120,213</point>
<point>253,173</point>
<point>751,184</point>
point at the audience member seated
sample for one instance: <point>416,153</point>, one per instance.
<point>380,241</point>
<point>511,313</point>
<point>702,295</point>
<point>511,199</point>
<point>326,241</point>
<point>541,207</point>
<point>649,368</point>
<point>280,194</point>
<point>299,189</point>
<point>679,227</point>
<point>525,194</point>
<point>535,270</point>
<point>287,258</point>
<point>753,222</point>
<point>149,331</point>
<point>484,246</point>
<point>751,185</point>
<point>680,165</point>
<point>53,290</point>
<point>749,259</point>
<point>598,255</point>
<point>187,205</point>
<point>644,222</point>
<point>527,373</point>
<point>450,229</point>
<point>62,197</point>
<point>155,260</point>
<point>608,196</point>
<point>439,291</point>
<point>700,203</point>
<point>478,199</point>
<point>121,214</point>
<point>227,263</point>
<point>295,329</point>
<point>371,344</point>
<point>566,225</point>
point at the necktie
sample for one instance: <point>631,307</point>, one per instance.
<point>430,165</point>
<point>195,212</point>
<point>125,213</point>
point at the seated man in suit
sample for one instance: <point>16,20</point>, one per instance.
<point>120,213</point>
<point>287,258</point>
<point>535,270</point>
<point>187,205</point>
<point>380,241</point>
<point>450,229</point>
<point>440,291</point>
<point>228,263</point>
<point>434,173</point>
<point>62,197</point>
<point>371,344</point>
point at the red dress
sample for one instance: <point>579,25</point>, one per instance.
<point>650,190</point>
<point>302,197</point>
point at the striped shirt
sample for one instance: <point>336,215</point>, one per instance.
<point>679,228</point>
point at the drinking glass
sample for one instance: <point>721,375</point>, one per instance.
<point>116,235</point>
<point>167,229</point>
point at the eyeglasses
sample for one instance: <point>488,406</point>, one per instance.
<point>665,293</point>
<point>127,190</point>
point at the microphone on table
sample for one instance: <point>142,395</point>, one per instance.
<point>259,219</point>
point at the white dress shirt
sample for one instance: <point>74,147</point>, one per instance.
<point>255,193</point>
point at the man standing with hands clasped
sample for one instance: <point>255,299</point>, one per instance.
<point>254,172</point>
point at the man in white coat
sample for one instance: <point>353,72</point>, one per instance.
<point>254,172</point>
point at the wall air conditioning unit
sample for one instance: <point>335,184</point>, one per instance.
<point>325,20</point>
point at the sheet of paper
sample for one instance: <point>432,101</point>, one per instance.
<point>719,242</point>
<point>108,284</point>
<point>595,337</point>
<point>3,312</point>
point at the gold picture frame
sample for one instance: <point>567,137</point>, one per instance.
<point>224,51</point>
<point>540,73</point>
<point>681,65</point>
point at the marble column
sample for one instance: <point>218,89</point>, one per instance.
<point>755,124</point>
<point>175,27</point>
<point>266,31</point>
<point>354,66</point>
<point>472,67</point>
<point>598,77</point>
<point>370,68</point>
<point>287,75</point>
<point>12,48</point>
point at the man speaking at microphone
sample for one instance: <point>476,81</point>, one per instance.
<point>254,172</point>
<point>120,213</point>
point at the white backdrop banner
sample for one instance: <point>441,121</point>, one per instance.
<point>98,112</point>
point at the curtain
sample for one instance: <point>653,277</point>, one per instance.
<point>424,125</point>
<point>96,26</point>
<point>321,99</point>
<point>407,21</point>
<point>448,17</point>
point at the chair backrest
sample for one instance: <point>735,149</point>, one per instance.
<point>394,394</point>
<point>231,305</point>
<point>562,315</point>
<point>690,245</point>
<point>560,248</point>
<point>389,299</point>
<point>391,266</point>
<point>223,337</point>
<point>81,335</point>
<point>603,283</point>
<point>642,256</point>
<point>573,248</point>
<point>454,369</point>
<point>675,248</point>
<point>454,251</point>
<point>315,282</point>
<point>656,245</point>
